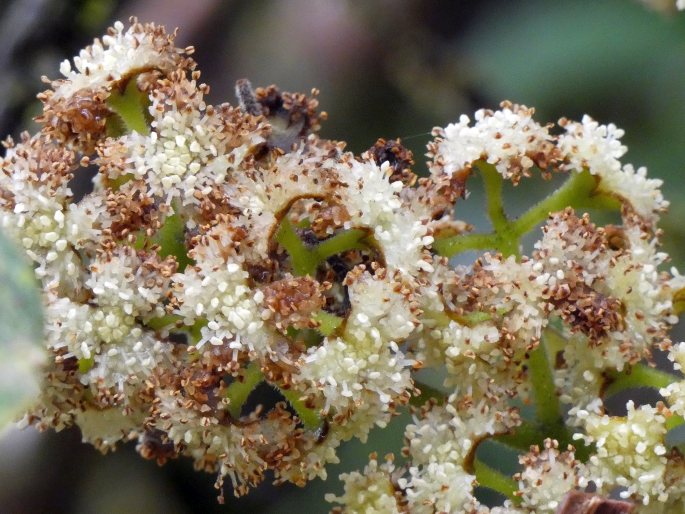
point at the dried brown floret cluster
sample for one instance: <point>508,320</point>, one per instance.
<point>240,291</point>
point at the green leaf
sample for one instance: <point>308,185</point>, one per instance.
<point>21,334</point>
<point>309,417</point>
<point>171,239</point>
<point>130,105</point>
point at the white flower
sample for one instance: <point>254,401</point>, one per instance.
<point>371,492</point>
<point>380,311</point>
<point>508,138</point>
<point>118,54</point>
<point>547,476</point>
<point>588,144</point>
<point>630,452</point>
<point>190,150</point>
<point>216,293</point>
<point>598,148</point>
<point>373,201</point>
<point>352,374</point>
<point>440,487</point>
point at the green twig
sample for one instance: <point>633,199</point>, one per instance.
<point>238,390</point>
<point>579,191</point>
<point>640,375</point>
<point>303,260</point>
<point>454,245</point>
<point>495,480</point>
<point>493,191</point>
<point>340,242</point>
<point>548,409</point>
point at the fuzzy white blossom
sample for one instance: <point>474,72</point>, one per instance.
<point>226,249</point>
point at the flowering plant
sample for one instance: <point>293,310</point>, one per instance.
<point>238,290</point>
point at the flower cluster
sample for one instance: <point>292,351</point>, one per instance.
<point>238,290</point>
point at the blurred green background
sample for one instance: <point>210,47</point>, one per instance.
<point>385,68</point>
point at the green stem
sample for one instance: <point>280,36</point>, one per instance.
<point>310,417</point>
<point>238,390</point>
<point>454,245</point>
<point>575,192</point>
<point>493,191</point>
<point>548,408</point>
<point>555,342</point>
<point>495,480</point>
<point>303,261</point>
<point>639,375</point>
<point>340,242</point>
<point>522,437</point>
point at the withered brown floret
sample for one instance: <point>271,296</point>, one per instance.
<point>293,301</point>
<point>586,310</point>
<point>131,210</point>
<point>327,217</point>
<point>439,193</point>
<point>80,119</point>
<point>49,164</point>
<point>400,159</point>
<point>292,116</point>
<point>576,502</point>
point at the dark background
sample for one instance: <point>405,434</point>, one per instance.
<point>390,68</point>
